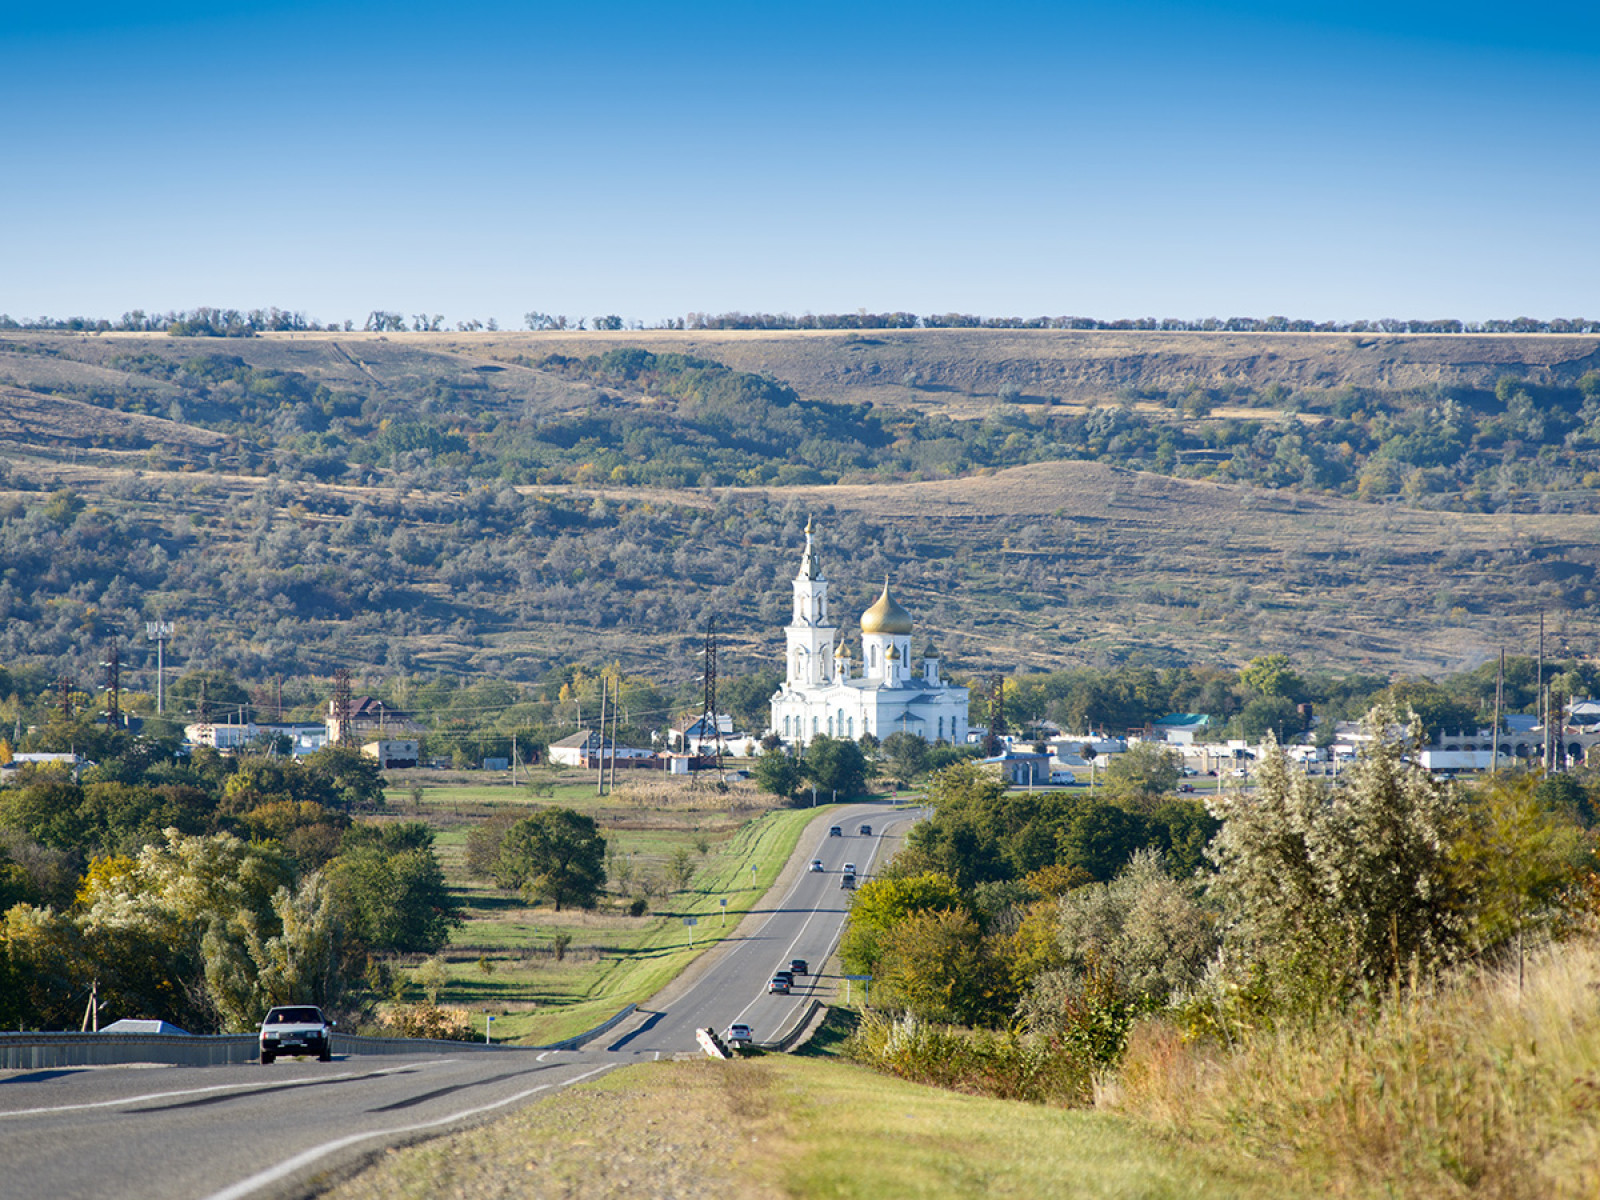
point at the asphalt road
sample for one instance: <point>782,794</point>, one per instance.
<point>231,1132</point>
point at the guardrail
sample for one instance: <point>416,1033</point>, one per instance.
<point>787,1040</point>
<point>44,1051</point>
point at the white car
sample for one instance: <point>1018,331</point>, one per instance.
<point>296,1029</point>
<point>738,1035</point>
<point>849,868</point>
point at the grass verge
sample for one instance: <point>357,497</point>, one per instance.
<point>780,1126</point>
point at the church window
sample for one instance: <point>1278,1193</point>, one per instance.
<point>874,653</point>
<point>830,726</point>
<point>941,727</point>
<point>815,723</point>
<point>852,728</point>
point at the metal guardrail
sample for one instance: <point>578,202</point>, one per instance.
<point>42,1051</point>
<point>785,1041</point>
<point>45,1051</point>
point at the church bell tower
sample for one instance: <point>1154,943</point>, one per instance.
<point>810,637</point>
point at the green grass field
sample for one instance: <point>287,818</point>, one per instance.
<point>777,1125</point>
<point>502,961</point>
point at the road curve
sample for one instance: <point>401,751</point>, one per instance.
<point>253,1133</point>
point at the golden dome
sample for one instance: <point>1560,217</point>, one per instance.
<point>886,616</point>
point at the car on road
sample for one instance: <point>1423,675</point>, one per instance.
<point>849,868</point>
<point>779,986</point>
<point>799,966</point>
<point>1186,787</point>
<point>865,831</point>
<point>847,880</point>
<point>835,831</point>
<point>738,1035</point>
<point>816,864</point>
<point>296,1029</point>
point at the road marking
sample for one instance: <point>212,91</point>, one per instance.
<point>252,1085</point>
<point>290,1165</point>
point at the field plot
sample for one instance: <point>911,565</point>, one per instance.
<point>546,975</point>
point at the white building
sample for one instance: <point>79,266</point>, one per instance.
<point>823,694</point>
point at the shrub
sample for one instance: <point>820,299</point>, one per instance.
<point>427,1021</point>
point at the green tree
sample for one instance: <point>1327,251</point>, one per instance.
<point>1272,675</point>
<point>881,904</point>
<point>1145,771</point>
<point>836,765</point>
<point>935,964</point>
<point>779,774</point>
<point>392,889</point>
<point>907,754</point>
<point>1521,854</point>
<point>1329,890</point>
<point>556,854</point>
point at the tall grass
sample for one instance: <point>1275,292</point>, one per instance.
<point>1473,1087</point>
<point>1007,1066</point>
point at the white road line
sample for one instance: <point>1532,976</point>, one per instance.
<point>252,1085</point>
<point>290,1165</point>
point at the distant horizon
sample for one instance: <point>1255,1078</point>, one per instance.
<point>156,323</point>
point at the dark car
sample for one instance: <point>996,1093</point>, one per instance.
<point>296,1029</point>
<point>835,831</point>
<point>798,966</point>
<point>865,831</point>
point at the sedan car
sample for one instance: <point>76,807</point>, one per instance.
<point>816,864</point>
<point>779,986</point>
<point>835,831</point>
<point>798,966</point>
<point>865,831</point>
<point>849,868</point>
<point>296,1029</point>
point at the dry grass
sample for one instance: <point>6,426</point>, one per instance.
<point>1474,1089</point>
<point>777,1126</point>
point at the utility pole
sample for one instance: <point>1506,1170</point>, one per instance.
<point>600,780</point>
<point>1544,715</point>
<point>158,632</point>
<point>616,707</point>
<point>711,692</point>
<point>1499,699</point>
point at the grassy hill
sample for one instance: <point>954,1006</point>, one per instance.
<point>503,503</point>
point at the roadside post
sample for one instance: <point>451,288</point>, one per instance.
<point>752,874</point>
<point>488,1024</point>
<point>690,922</point>
<point>866,985</point>
<point>724,903</point>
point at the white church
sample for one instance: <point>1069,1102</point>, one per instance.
<point>823,694</point>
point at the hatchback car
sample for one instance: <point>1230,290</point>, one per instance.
<point>816,864</point>
<point>835,831</point>
<point>779,986</point>
<point>849,868</point>
<point>738,1034</point>
<point>296,1029</point>
<point>865,831</point>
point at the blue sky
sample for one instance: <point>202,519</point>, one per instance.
<point>1323,160</point>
